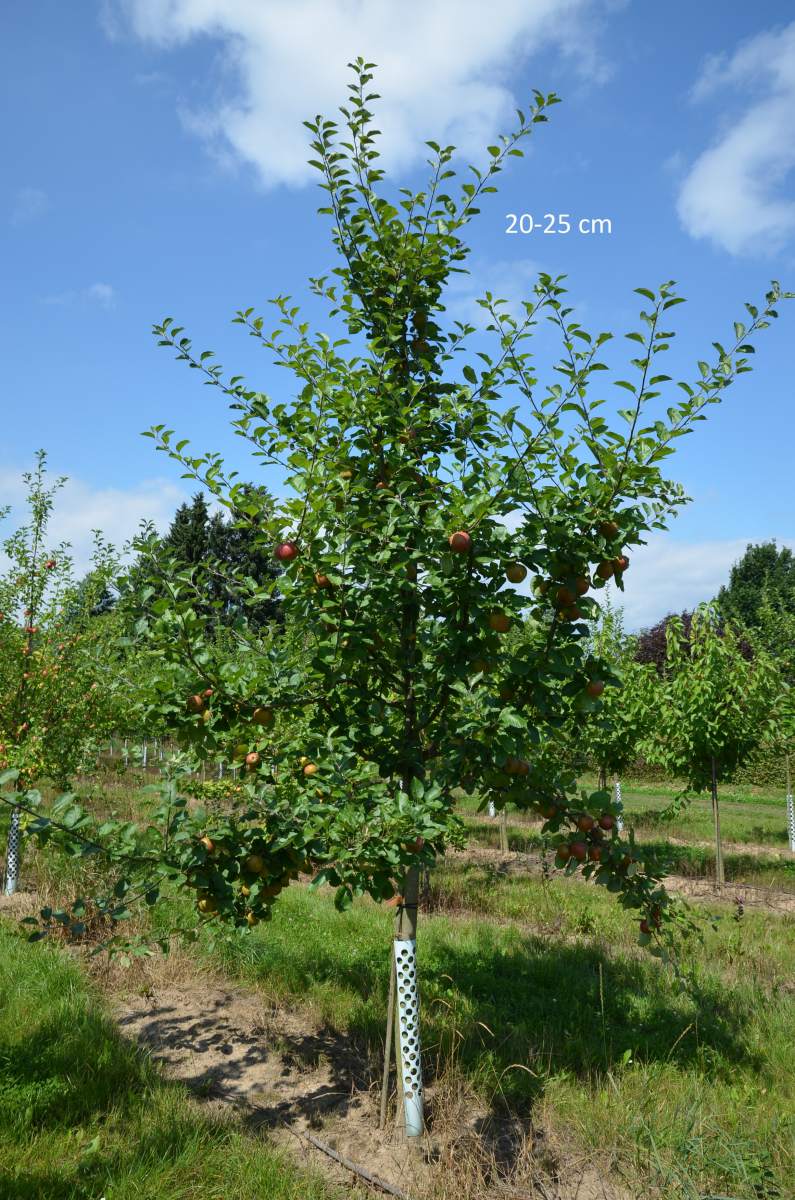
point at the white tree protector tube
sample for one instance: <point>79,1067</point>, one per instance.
<point>791,822</point>
<point>12,854</point>
<point>619,818</point>
<point>408,1013</point>
<point>491,809</point>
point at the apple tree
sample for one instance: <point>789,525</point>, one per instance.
<point>421,469</point>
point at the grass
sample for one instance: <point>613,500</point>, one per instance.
<point>83,1115</point>
<point>555,1012</point>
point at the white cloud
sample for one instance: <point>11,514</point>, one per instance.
<point>29,203</point>
<point>81,507</point>
<point>441,66</point>
<point>102,294</point>
<point>667,575</point>
<point>733,193</point>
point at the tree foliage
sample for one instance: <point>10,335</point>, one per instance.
<point>764,576</point>
<point>422,472</point>
<point>57,696</point>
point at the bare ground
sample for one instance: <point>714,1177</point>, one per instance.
<point>281,1072</point>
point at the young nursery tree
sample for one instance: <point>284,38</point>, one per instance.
<point>56,699</point>
<point>612,736</point>
<point>420,476</point>
<point>717,706</point>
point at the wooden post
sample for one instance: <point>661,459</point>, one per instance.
<point>719,880</point>
<point>503,831</point>
<point>390,1020</point>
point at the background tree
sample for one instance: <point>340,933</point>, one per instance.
<point>403,462</point>
<point>717,706</point>
<point>764,576</point>
<point>226,560</point>
<point>612,737</point>
<point>57,696</point>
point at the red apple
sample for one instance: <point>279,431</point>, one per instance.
<point>500,622</point>
<point>606,569</point>
<point>252,760</point>
<point>596,853</point>
<point>196,704</point>
<point>516,573</point>
<point>645,927</point>
<point>579,850</point>
<point>564,597</point>
<point>606,821</point>
<point>621,563</point>
<point>286,551</point>
<point>585,823</point>
<point>595,688</point>
<point>460,542</point>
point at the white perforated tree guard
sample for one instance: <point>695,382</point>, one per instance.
<point>408,1014</point>
<point>491,809</point>
<point>12,854</point>
<point>619,818</point>
<point>791,822</point>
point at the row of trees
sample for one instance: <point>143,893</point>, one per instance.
<point>371,652</point>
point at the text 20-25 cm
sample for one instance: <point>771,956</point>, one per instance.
<point>557,223</point>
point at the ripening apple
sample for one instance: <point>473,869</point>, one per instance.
<point>196,704</point>
<point>286,551</point>
<point>252,760</point>
<point>606,821</point>
<point>585,823</point>
<point>606,569</point>
<point>644,926</point>
<point>460,542</point>
<point>500,622</point>
<point>581,584</point>
<point>208,843</point>
<point>595,853</point>
<point>516,573</point>
<point>564,597</point>
<point>252,919</point>
<point>595,688</point>
<point>608,529</point>
<point>579,851</point>
<point>207,905</point>
<point>310,769</point>
<point>548,812</point>
<point>621,563</point>
<point>263,715</point>
<point>254,863</point>
<point>322,580</point>
<point>564,852</point>
<point>572,613</point>
<point>50,564</point>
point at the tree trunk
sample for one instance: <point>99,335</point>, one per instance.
<point>716,814</point>
<point>407,1027</point>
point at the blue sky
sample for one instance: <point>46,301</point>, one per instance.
<point>152,165</point>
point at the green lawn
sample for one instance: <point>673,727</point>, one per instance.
<point>83,1116</point>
